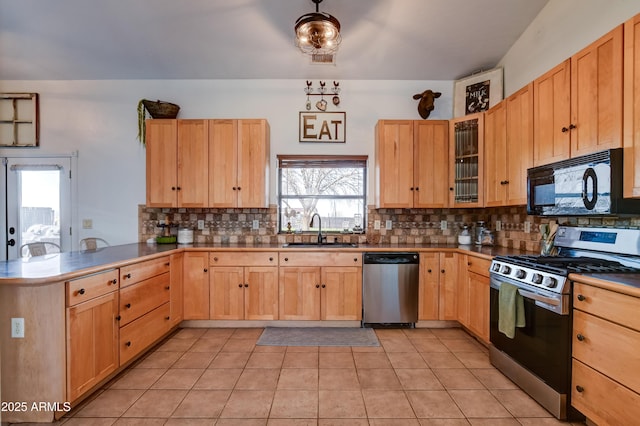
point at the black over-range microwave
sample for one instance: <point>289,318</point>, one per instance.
<point>589,185</point>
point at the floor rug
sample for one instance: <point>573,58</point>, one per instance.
<point>318,336</point>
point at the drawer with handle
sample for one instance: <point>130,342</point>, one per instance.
<point>86,288</point>
<point>139,334</point>
<point>137,272</point>
<point>138,299</point>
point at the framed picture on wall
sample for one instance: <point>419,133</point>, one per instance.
<point>478,92</point>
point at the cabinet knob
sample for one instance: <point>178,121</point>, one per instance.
<point>246,285</point>
<point>579,388</point>
<point>126,276</point>
<point>167,318</point>
<point>355,259</point>
<point>317,285</point>
<point>580,337</point>
<point>451,188</point>
<point>118,318</point>
<point>167,264</point>
<point>572,126</point>
<point>173,188</point>
<point>81,291</point>
<point>206,270</point>
<point>240,285</point>
<point>128,343</point>
<point>442,270</point>
<point>215,259</point>
<point>411,188</point>
<point>271,259</point>
<point>114,281</point>
<point>167,288</point>
<point>564,130</point>
<point>234,188</point>
<point>178,188</point>
<point>128,305</point>
<point>581,298</point>
<point>239,188</point>
<point>324,285</point>
<point>286,259</point>
<point>417,188</point>
<point>429,270</point>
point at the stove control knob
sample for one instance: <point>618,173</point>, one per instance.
<point>505,269</point>
<point>521,273</point>
<point>550,282</point>
<point>496,267</point>
<point>536,279</point>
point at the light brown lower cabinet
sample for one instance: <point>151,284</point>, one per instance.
<point>308,291</point>
<point>473,295</point>
<point>438,286</point>
<point>92,331</point>
<point>244,293</point>
<point>92,336</point>
<point>606,338</point>
<point>196,285</point>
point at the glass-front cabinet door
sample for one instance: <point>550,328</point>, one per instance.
<point>466,149</point>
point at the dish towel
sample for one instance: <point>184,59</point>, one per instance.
<point>510,310</point>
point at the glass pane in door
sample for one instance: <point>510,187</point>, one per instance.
<point>38,205</point>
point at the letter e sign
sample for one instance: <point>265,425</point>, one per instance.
<point>322,126</point>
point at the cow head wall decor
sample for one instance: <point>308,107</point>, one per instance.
<point>425,106</point>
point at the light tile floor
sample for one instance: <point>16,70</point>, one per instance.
<point>220,377</point>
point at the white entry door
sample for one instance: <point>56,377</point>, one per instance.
<point>38,203</point>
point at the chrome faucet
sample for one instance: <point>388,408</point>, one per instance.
<point>319,226</point>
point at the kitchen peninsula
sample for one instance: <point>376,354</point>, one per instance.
<point>113,304</point>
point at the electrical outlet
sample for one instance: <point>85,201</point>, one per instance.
<point>527,227</point>
<point>200,224</point>
<point>87,224</point>
<point>498,226</point>
<point>255,225</point>
<point>17,328</point>
<point>443,225</point>
<point>389,224</point>
<point>376,225</point>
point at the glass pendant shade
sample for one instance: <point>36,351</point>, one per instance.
<point>317,33</point>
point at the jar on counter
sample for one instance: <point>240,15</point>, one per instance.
<point>487,237</point>
<point>464,238</point>
<point>185,236</point>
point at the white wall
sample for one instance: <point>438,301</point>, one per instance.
<point>562,28</point>
<point>98,119</point>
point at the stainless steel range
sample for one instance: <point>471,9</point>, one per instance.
<point>538,357</point>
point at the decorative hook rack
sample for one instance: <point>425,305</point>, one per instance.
<point>321,91</point>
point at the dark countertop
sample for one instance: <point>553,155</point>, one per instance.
<point>622,283</point>
<point>58,267</point>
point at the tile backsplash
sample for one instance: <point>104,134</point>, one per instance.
<point>409,226</point>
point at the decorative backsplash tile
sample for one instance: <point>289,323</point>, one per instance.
<point>409,226</point>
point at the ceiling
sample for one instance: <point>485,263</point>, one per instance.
<point>253,39</point>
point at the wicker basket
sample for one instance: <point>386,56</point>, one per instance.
<point>161,109</point>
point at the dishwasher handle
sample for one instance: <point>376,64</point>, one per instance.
<point>391,258</point>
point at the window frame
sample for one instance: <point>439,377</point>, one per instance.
<point>322,161</point>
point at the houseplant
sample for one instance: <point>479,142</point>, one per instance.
<point>157,109</point>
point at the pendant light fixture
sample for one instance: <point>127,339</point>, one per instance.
<point>318,33</point>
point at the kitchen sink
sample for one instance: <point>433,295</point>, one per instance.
<point>323,245</point>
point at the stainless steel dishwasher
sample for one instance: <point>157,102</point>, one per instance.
<point>390,288</point>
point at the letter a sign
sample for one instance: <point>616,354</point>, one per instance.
<point>322,126</point>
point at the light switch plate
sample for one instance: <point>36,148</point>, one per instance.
<point>376,225</point>
<point>255,225</point>
<point>498,226</point>
<point>527,227</point>
<point>200,224</point>
<point>389,224</point>
<point>443,225</point>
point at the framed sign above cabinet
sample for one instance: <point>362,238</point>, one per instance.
<point>19,119</point>
<point>322,127</point>
<point>477,93</point>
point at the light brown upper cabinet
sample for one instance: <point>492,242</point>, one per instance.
<point>508,149</point>
<point>578,104</point>
<point>411,163</point>
<point>466,150</point>
<point>632,107</point>
<point>239,163</point>
<point>177,169</point>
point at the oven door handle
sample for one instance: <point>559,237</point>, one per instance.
<point>539,298</point>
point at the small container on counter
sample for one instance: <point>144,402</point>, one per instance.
<point>185,236</point>
<point>464,238</point>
